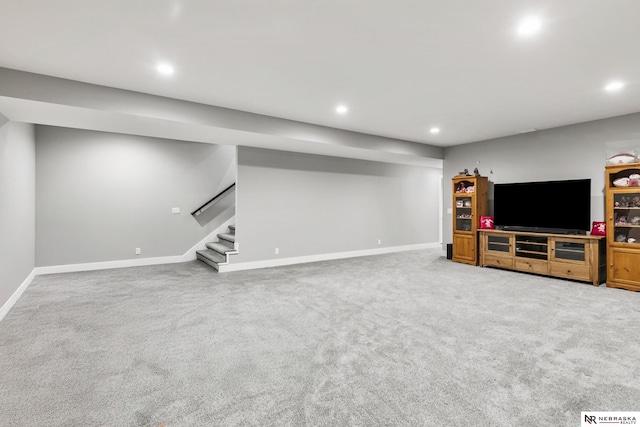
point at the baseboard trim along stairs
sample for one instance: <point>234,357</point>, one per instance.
<point>251,265</point>
<point>217,253</point>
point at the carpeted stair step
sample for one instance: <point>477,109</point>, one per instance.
<point>220,247</point>
<point>227,237</point>
<point>227,243</point>
<point>211,257</point>
<point>232,229</point>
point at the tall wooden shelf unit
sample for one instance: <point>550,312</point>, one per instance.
<point>623,227</point>
<point>470,201</point>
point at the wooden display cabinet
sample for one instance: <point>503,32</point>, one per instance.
<point>470,201</point>
<point>623,226</point>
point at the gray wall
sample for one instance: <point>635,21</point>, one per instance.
<point>569,152</point>
<point>101,195</point>
<point>17,206</point>
<point>309,205</point>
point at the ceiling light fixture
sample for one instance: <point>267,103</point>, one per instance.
<point>165,69</point>
<point>342,109</point>
<point>614,86</point>
<point>434,130</point>
<point>530,26</point>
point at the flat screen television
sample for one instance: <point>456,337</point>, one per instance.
<point>545,207</point>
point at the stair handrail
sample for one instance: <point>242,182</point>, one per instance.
<point>213,200</point>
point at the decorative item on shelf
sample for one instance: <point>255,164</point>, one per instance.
<point>467,203</point>
<point>622,158</point>
<point>476,172</point>
<point>465,172</point>
<point>598,228</point>
<point>464,188</point>
<point>621,182</point>
<point>635,220</point>
<point>621,220</point>
<point>635,202</point>
<point>631,240</point>
<point>459,203</point>
<point>486,222</point>
<point>621,238</point>
<point>627,181</point>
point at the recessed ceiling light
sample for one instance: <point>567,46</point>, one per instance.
<point>165,69</point>
<point>434,130</point>
<point>342,109</point>
<point>529,26</point>
<point>614,86</point>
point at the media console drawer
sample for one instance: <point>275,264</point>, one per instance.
<point>498,261</point>
<point>532,265</point>
<point>570,271</point>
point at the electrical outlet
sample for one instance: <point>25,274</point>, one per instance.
<point>277,251</point>
<point>379,241</point>
<point>175,210</point>
<point>138,252</point>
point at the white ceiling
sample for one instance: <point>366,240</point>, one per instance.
<point>401,66</point>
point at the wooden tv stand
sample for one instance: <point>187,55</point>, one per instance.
<point>567,256</point>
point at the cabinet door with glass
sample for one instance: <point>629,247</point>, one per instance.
<point>569,250</point>
<point>626,217</point>
<point>464,220</point>
<point>498,244</point>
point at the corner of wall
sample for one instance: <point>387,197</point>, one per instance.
<point>16,295</point>
<point>3,120</point>
<point>17,211</point>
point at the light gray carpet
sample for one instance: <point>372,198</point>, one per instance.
<point>406,339</point>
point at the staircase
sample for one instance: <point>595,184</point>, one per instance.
<point>217,253</point>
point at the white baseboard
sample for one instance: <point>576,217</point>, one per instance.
<point>105,265</point>
<point>17,294</point>
<point>190,255</point>
<point>323,257</point>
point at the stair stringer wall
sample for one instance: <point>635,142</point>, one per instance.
<point>211,237</point>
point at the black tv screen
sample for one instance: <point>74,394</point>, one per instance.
<point>549,206</point>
